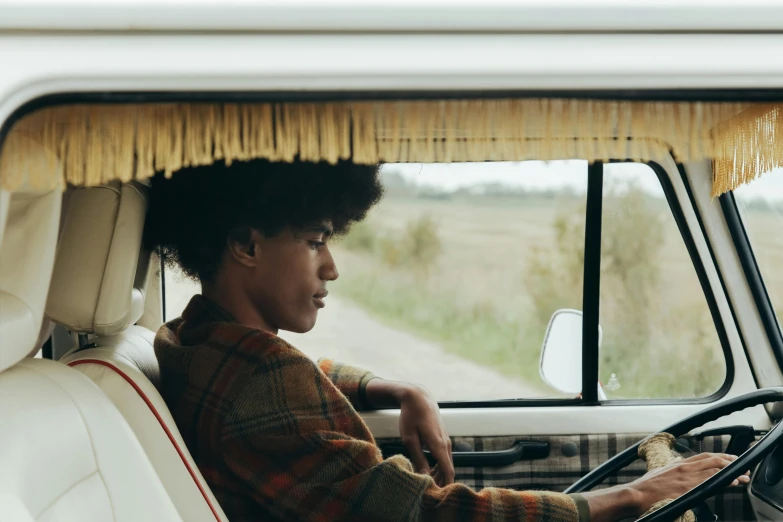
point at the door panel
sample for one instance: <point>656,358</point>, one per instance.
<point>573,456</point>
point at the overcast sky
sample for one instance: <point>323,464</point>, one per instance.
<point>540,175</point>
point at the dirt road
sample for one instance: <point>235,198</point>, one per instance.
<point>346,333</point>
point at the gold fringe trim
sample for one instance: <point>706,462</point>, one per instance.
<point>95,144</point>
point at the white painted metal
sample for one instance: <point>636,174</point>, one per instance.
<point>393,15</point>
<point>36,64</point>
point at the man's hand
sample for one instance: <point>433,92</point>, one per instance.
<point>678,478</point>
<point>672,481</point>
<point>421,425</point>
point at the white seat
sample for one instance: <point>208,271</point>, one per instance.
<point>98,288</point>
<point>66,453</point>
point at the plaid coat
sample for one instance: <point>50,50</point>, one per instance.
<point>278,437</point>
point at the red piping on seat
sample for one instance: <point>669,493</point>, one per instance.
<point>160,421</point>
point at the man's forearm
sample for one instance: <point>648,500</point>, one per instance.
<point>380,393</point>
<point>608,505</point>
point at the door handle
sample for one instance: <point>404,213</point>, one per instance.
<point>741,437</point>
<point>521,450</point>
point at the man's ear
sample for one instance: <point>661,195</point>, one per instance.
<point>246,253</point>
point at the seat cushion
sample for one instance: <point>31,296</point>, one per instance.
<point>124,367</point>
<point>66,453</point>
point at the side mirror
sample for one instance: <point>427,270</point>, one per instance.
<point>561,353</point>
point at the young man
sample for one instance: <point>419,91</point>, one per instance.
<point>277,436</point>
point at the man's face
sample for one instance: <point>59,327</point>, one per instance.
<point>288,285</point>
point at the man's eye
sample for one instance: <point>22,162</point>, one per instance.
<point>315,245</point>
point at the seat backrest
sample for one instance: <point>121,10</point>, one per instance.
<point>66,453</point>
<point>124,366</point>
<point>103,297</point>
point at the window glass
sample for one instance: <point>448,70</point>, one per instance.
<point>452,279</point>
<point>659,340</point>
<point>179,289</point>
<point>761,207</point>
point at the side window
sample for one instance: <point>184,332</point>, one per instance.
<point>761,207</point>
<point>452,280</point>
<point>659,338</point>
<point>178,290</point>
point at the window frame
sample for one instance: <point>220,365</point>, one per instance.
<point>162,287</point>
<point>591,283</point>
<point>697,262</point>
<point>753,275</point>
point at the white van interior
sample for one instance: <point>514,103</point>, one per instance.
<point>84,432</point>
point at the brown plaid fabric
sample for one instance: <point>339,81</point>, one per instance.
<point>277,438</point>
<point>559,471</point>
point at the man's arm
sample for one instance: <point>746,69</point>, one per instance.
<point>328,476</point>
<point>306,456</point>
<point>350,380</point>
<point>364,389</point>
<point>672,481</point>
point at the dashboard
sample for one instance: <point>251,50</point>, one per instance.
<point>766,488</point>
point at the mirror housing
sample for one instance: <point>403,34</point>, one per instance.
<point>561,354</point>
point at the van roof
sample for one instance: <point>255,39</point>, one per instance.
<point>392,15</point>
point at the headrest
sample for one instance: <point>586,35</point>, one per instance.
<point>28,238</point>
<point>100,273</point>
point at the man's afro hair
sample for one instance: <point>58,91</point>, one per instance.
<point>193,214</point>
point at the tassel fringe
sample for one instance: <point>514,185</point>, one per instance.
<point>94,144</point>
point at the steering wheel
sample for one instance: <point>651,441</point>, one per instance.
<point>713,485</point>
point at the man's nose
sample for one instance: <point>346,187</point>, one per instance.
<point>329,270</point>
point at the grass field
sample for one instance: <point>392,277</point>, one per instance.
<point>502,266</point>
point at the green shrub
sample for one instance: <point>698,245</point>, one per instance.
<point>417,246</point>
<point>391,250</point>
<point>361,238</point>
<point>553,276</point>
<point>421,243</point>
